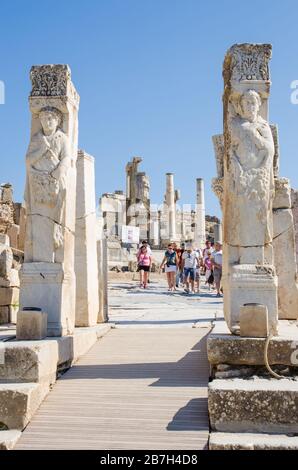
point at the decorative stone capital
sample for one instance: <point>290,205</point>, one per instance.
<point>247,62</point>
<point>53,81</point>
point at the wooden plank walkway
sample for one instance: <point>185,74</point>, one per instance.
<point>135,389</point>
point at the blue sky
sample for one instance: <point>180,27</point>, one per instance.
<point>149,76</point>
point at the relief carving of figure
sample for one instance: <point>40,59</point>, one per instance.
<point>251,180</point>
<point>47,161</point>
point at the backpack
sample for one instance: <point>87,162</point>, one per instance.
<point>171,258</point>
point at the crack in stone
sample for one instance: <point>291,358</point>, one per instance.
<point>282,233</point>
<point>86,215</point>
<point>53,220</point>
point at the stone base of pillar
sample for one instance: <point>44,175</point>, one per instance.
<point>249,283</point>
<point>48,287</point>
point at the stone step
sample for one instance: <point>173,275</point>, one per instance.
<point>250,441</point>
<point>225,348</point>
<point>8,439</point>
<point>253,405</point>
<point>38,361</point>
<point>19,402</point>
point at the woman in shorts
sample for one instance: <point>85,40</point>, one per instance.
<point>170,262</point>
<point>209,270</point>
<point>144,263</point>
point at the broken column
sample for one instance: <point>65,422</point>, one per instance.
<point>200,229</point>
<point>47,275</point>
<point>249,274</point>
<point>138,198</point>
<point>86,268</point>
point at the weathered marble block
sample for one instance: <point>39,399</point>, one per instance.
<point>31,325</point>
<point>285,251</point>
<point>47,286</point>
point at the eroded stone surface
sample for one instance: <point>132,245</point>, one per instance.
<point>285,250</point>
<point>294,199</point>
<point>18,403</point>
<point>32,325</point>
<point>253,405</point>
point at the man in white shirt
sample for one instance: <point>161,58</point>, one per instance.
<point>190,261</point>
<point>216,259</point>
<point>145,243</point>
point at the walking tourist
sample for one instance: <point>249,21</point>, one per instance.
<point>208,247</point>
<point>198,268</point>
<point>209,270</point>
<point>190,262</point>
<point>144,263</point>
<point>179,272</point>
<point>170,262</point>
<point>216,258</point>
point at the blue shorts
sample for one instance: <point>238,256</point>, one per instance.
<point>189,272</point>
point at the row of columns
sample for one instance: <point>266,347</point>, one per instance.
<point>200,225</point>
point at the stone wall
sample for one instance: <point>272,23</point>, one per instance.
<point>294,196</point>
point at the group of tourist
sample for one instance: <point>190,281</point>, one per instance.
<point>184,266</point>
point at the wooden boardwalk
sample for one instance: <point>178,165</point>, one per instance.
<point>136,389</point>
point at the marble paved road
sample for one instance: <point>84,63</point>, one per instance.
<point>142,386</point>
<point>131,306</point>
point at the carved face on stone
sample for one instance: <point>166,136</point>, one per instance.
<point>49,119</point>
<point>250,104</point>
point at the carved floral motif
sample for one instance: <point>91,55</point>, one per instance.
<point>49,80</point>
<point>250,61</point>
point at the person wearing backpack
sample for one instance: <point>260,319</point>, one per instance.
<point>170,262</point>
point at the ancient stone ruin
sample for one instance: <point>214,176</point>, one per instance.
<point>252,360</point>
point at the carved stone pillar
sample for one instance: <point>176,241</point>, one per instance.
<point>47,276</point>
<point>245,184</point>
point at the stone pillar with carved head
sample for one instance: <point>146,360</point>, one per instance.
<point>48,276</point>
<point>245,184</point>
